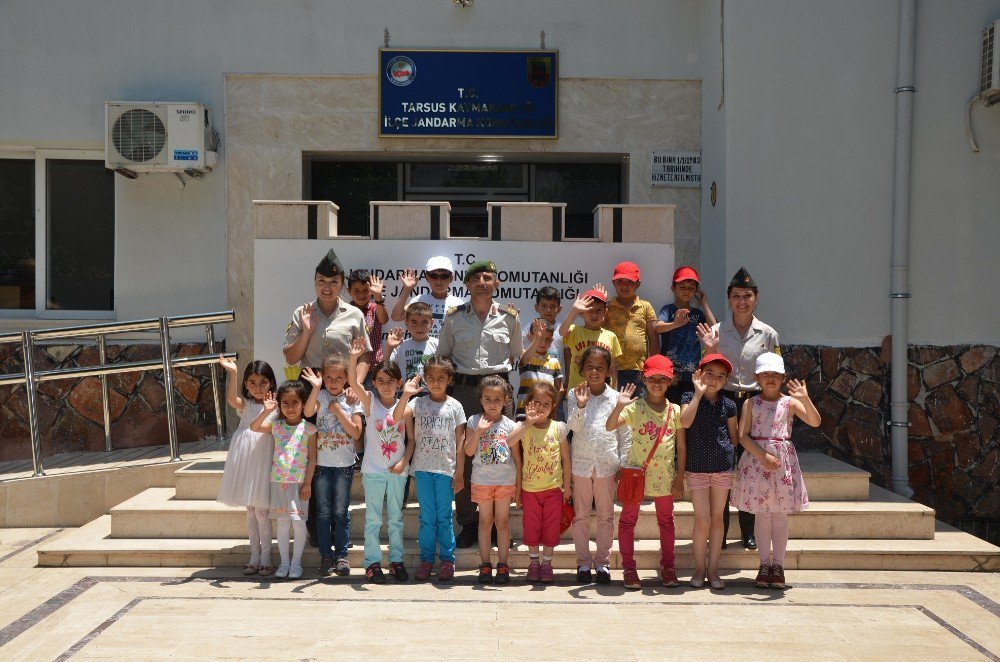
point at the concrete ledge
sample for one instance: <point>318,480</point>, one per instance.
<point>652,224</point>
<point>289,219</point>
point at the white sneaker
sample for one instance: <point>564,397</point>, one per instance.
<point>295,572</point>
<point>281,572</point>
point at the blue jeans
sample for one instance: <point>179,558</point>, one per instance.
<point>332,496</point>
<point>437,530</point>
<point>383,489</point>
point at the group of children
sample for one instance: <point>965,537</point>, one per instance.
<point>622,406</point>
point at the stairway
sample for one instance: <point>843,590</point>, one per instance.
<point>850,524</point>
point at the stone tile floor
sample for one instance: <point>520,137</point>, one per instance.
<point>161,613</point>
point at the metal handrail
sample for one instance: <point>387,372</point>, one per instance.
<point>31,378</point>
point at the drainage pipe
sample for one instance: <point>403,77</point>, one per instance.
<point>899,405</point>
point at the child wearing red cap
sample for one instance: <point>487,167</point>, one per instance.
<point>631,319</point>
<point>677,325</point>
<point>592,306</point>
<point>710,420</point>
<point>663,482</point>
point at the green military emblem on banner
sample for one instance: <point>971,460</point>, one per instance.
<point>539,71</point>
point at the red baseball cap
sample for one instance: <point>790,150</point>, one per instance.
<point>658,364</point>
<point>597,294</point>
<point>628,271</point>
<point>686,273</point>
<point>712,358</point>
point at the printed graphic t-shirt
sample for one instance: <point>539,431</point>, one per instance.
<point>493,463</point>
<point>645,423</point>
<point>434,426</point>
<point>579,339</point>
<point>542,469</point>
<point>334,447</point>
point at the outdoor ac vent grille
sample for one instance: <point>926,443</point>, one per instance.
<point>990,81</point>
<point>139,135</point>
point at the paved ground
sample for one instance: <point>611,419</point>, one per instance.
<point>160,613</point>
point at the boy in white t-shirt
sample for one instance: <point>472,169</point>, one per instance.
<point>411,354</point>
<point>439,273</point>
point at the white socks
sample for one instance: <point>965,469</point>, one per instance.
<point>259,532</point>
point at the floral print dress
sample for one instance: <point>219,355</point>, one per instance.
<point>759,490</point>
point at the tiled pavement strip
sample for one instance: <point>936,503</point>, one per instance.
<point>81,613</point>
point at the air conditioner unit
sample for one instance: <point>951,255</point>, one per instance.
<point>989,87</point>
<point>159,137</point>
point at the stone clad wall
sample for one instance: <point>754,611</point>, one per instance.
<point>70,414</point>
<point>954,413</point>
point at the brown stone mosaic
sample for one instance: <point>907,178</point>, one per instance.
<point>70,412</point>
<point>954,417</point>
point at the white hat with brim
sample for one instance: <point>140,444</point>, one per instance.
<point>439,263</point>
<point>769,362</point>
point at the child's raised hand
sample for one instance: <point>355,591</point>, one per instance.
<point>533,413</point>
<point>312,377</point>
<point>581,305</point>
<point>358,348</point>
<point>582,393</point>
<point>600,288</point>
<point>625,395</point>
<point>376,286</point>
<point>709,337</point>
<point>228,365</point>
<point>484,423</point>
<point>412,386</point>
<point>698,381</point>
<point>409,279</point>
<point>770,462</point>
<point>797,389</point>
<point>308,321</point>
<point>701,297</point>
<point>269,402</point>
<point>394,338</point>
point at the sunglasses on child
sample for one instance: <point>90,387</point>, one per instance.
<point>439,275</point>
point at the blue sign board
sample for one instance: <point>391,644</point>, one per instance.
<point>468,94</point>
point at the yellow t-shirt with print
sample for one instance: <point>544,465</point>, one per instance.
<point>542,468</point>
<point>629,326</point>
<point>645,423</point>
<point>580,338</point>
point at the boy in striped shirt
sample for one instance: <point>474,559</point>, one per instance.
<point>537,365</point>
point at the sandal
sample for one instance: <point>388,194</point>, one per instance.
<point>250,569</point>
<point>265,571</point>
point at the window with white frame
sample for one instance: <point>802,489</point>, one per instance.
<point>57,235</point>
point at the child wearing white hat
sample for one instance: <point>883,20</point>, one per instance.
<point>439,273</point>
<point>768,478</point>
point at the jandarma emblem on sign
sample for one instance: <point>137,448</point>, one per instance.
<point>539,71</point>
<point>401,71</point>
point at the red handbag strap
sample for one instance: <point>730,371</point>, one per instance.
<point>659,437</point>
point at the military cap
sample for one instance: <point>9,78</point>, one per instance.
<point>742,278</point>
<point>330,265</point>
<point>479,267</point>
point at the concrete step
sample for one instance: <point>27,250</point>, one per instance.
<point>950,550</point>
<point>826,479</point>
<point>156,513</point>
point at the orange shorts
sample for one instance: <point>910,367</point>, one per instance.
<point>488,493</point>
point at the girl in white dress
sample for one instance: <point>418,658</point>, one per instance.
<point>245,479</point>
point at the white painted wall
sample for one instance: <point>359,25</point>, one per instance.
<point>63,59</point>
<point>808,162</point>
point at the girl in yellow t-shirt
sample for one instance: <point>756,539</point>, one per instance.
<point>545,482</point>
<point>664,483</point>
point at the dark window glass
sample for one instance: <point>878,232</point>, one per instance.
<point>81,236</point>
<point>351,186</point>
<point>17,233</point>
<point>582,186</point>
<point>468,219</point>
<point>485,176</point>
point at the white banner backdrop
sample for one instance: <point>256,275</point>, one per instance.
<point>284,270</point>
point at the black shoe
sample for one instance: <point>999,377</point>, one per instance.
<point>469,537</point>
<point>584,576</point>
<point>749,542</point>
<point>399,573</point>
<point>485,573</point>
<point>503,574</point>
<point>603,575</point>
<point>326,566</point>
<point>374,573</point>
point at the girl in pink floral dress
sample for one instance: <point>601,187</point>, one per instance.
<point>768,478</point>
